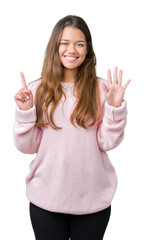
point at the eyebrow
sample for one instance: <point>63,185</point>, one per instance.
<point>69,40</point>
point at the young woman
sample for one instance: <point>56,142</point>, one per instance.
<point>70,118</point>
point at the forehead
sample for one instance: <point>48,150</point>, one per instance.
<point>71,33</point>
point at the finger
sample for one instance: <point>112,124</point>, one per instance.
<point>115,76</point>
<point>105,88</point>
<point>120,77</point>
<point>109,78</point>
<point>17,97</point>
<point>126,84</point>
<point>28,93</point>
<point>20,96</point>
<point>23,81</point>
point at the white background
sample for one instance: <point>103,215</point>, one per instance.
<point>117,32</point>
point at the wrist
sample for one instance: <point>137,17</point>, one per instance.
<point>116,105</point>
<point>25,109</point>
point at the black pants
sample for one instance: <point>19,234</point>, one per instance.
<point>59,226</point>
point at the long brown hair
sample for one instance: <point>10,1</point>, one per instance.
<point>50,90</point>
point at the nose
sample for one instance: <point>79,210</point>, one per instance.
<point>72,48</point>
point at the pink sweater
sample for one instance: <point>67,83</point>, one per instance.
<point>71,172</point>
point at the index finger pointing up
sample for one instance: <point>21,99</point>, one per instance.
<point>23,81</point>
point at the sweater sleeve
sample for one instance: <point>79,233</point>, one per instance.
<point>27,135</point>
<point>110,132</point>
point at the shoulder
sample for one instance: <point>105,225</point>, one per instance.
<point>34,84</point>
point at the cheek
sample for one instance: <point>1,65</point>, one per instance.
<point>83,52</point>
<point>62,49</point>
<point>83,55</point>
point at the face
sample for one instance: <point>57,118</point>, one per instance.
<point>72,48</point>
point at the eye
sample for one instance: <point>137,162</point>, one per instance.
<point>64,43</point>
<point>79,44</point>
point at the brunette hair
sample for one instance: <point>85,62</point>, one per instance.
<point>50,91</point>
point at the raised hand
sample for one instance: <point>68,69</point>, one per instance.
<point>114,93</point>
<point>24,98</point>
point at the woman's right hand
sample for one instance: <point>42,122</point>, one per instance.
<point>24,98</point>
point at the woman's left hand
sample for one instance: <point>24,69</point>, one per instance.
<point>114,93</point>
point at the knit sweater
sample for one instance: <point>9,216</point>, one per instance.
<point>71,172</point>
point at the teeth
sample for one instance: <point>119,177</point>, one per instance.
<point>70,58</point>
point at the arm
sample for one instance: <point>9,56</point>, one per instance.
<point>111,130</point>
<point>27,135</point>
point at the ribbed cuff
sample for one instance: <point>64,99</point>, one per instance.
<point>25,116</point>
<point>115,114</point>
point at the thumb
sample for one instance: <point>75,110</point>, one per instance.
<point>105,89</point>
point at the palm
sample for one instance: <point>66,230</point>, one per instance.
<point>114,93</point>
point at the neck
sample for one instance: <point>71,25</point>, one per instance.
<point>69,75</point>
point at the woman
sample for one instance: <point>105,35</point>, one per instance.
<point>70,118</point>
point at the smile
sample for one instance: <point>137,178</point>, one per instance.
<point>70,58</point>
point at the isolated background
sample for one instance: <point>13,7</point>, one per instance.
<point>117,33</point>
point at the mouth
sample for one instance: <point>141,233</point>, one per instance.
<point>70,58</point>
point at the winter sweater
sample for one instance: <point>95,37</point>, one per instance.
<point>71,172</point>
